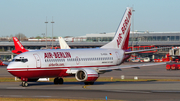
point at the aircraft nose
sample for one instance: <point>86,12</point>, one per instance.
<point>9,67</point>
<point>12,70</point>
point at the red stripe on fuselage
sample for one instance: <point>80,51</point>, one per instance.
<point>45,72</point>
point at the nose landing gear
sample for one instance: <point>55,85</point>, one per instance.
<point>24,84</point>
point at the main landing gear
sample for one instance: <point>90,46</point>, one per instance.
<point>88,83</point>
<point>58,80</point>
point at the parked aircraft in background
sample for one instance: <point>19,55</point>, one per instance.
<point>63,44</point>
<point>85,64</point>
<point>18,47</point>
<point>18,50</point>
<point>3,63</point>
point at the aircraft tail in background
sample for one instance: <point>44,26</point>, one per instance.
<point>63,44</point>
<point>18,47</point>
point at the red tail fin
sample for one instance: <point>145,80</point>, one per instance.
<point>18,46</point>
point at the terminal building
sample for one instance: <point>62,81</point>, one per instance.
<point>137,39</point>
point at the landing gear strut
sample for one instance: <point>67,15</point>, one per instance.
<point>58,80</point>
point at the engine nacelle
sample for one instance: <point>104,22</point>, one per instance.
<point>86,75</point>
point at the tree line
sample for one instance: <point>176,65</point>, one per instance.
<point>21,37</point>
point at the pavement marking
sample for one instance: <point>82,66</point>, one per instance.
<point>85,87</point>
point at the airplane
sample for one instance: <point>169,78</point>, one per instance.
<point>85,64</point>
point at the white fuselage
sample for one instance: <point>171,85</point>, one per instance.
<point>54,63</point>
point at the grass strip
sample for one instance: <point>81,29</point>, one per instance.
<point>101,79</point>
<point>47,99</point>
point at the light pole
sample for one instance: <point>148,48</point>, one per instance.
<point>133,32</point>
<point>52,32</point>
<point>46,31</point>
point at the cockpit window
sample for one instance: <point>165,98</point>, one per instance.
<point>24,60</point>
<point>20,60</point>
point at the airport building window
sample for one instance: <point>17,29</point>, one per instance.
<point>172,38</point>
<point>164,38</point>
<point>94,39</point>
<point>150,38</point>
<point>177,38</point>
<point>154,38</point>
<point>158,38</point>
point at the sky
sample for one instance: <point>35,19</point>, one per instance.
<point>81,17</point>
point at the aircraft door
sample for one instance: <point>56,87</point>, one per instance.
<point>38,61</point>
<point>118,57</point>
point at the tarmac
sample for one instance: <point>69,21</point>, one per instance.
<point>129,91</point>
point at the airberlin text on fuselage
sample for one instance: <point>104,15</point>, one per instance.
<point>124,27</point>
<point>57,55</point>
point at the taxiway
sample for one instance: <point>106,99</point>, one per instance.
<point>131,91</point>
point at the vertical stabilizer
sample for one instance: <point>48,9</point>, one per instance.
<point>121,37</point>
<point>18,46</point>
<point>63,44</point>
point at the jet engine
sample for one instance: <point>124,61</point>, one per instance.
<point>86,75</point>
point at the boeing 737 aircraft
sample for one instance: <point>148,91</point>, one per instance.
<point>85,64</point>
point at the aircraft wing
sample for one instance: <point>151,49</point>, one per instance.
<point>137,51</point>
<point>137,66</point>
<point>109,69</point>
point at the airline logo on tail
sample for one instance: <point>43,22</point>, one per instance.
<point>124,27</point>
<point>119,40</point>
<point>17,43</point>
<point>126,22</point>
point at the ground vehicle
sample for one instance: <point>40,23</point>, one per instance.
<point>174,63</point>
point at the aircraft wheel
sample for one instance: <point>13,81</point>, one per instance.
<point>86,83</point>
<point>60,81</point>
<point>24,84</point>
<point>91,83</point>
<point>56,81</point>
